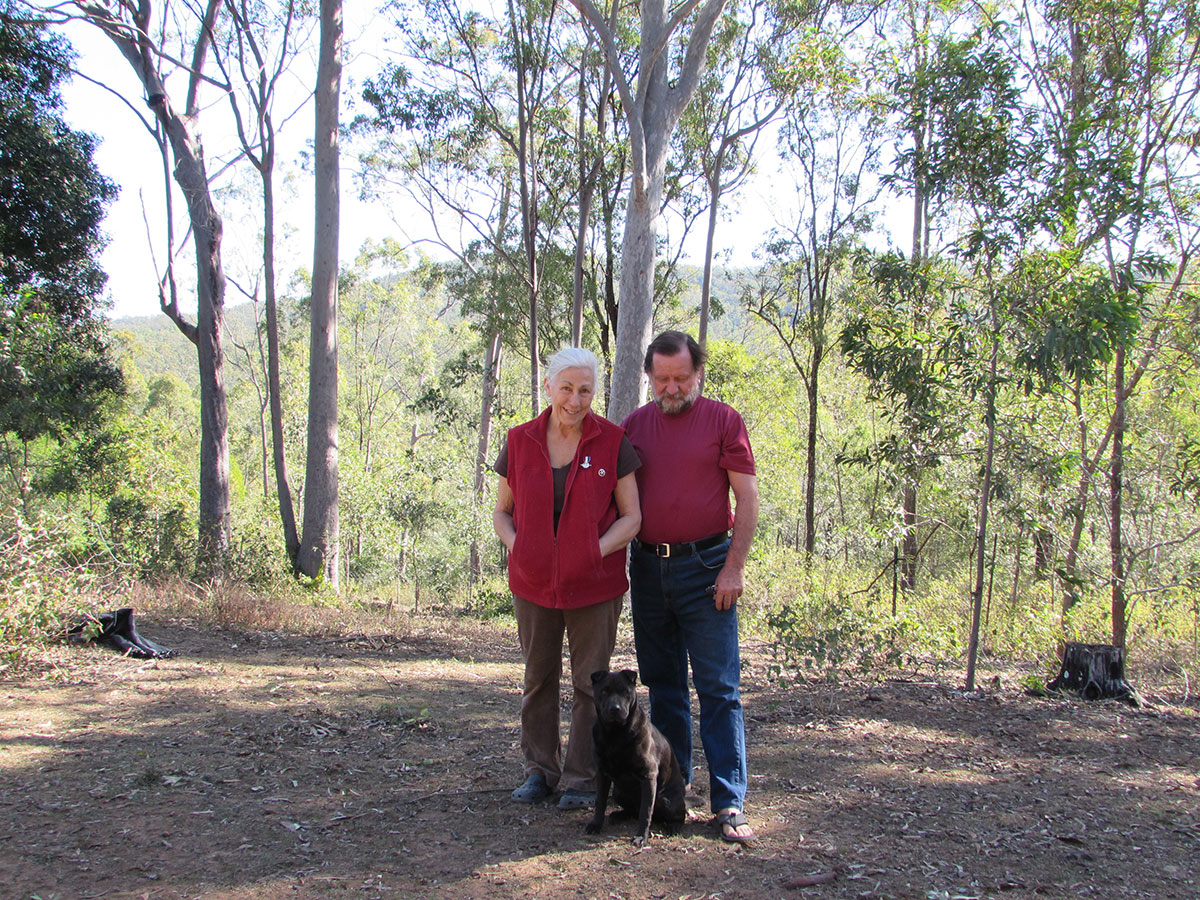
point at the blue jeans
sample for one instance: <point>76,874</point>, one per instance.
<point>675,620</point>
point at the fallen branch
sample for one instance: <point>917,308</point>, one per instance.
<point>810,880</point>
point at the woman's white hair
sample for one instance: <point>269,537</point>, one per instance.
<point>570,358</point>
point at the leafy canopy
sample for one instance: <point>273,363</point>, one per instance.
<point>55,372</point>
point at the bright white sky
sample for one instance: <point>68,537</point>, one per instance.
<point>128,156</point>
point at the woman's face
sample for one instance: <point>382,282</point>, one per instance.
<point>571,392</point>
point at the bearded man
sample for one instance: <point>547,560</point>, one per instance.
<point>687,567</point>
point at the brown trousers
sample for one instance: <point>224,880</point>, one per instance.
<point>591,633</point>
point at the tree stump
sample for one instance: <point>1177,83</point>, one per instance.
<point>1095,672</point>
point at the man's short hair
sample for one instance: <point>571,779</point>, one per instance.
<point>671,343</point>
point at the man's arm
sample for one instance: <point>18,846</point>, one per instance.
<point>731,579</point>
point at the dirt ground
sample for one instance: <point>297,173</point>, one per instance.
<point>270,766</point>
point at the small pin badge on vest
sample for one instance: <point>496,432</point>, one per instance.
<point>601,473</point>
<point>587,463</point>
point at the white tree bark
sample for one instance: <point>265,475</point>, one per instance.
<point>319,538</point>
<point>652,107</point>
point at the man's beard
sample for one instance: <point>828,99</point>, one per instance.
<point>675,404</point>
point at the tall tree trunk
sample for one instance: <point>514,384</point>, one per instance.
<point>910,546</point>
<point>319,550</point>
<point>214,418</point>
<point>491,381</point>
<point>1115,487</point>
<point>985,492</point>
<point>283,490</point>
<point>812,389</point>
<point>635,298</point>
<point>527,170</point>
<point>714,205</point>
<point>652,112</point>
<point>587,191</point>
<point>589,176</point>
<point>1078,510</point>
<point>493,357</point>
<point>183,138</point>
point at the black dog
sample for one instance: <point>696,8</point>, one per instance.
<point>633,759</point>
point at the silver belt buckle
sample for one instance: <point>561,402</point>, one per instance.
<point>664,551</point>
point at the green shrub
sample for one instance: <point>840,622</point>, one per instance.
<point>257,555</point>
<point>492,599</point>
<point>39,591</point>
<point>820,619</point>
<point>154,541</point>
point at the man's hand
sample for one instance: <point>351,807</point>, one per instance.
<point>731,580</point>
<point>729,586</point>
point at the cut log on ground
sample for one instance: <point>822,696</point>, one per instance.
<point>1095,672</point>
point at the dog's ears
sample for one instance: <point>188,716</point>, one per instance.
<point>629,675</point>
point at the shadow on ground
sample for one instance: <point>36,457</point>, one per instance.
<point>272,766</point>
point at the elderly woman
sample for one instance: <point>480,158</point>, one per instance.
<point>566,507</point>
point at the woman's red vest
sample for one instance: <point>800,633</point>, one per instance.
<point>564,570</point>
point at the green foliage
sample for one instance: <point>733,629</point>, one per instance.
<point>1185,482</point>
<point>126,493</point>
<point>55,377</point>
<point>40,591</point>
<point>1034,685</point>
<point>54,196</point>
<point>257,556</point>
<point>821,622</point>
<point>55,373</point>
<point>154,541</point>
<point>960,97</point>
<point>1067,320</point>
<point>1025,260</point>
<point>493,599</point>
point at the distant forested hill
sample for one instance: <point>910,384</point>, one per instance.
<point>158,347</point>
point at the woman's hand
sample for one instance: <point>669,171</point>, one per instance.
<point>629,519</point>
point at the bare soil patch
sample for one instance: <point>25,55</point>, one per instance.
<point>272,765</point>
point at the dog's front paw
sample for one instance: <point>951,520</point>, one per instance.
<point>593,827</point>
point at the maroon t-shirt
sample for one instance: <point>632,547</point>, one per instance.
<point>683,483</point>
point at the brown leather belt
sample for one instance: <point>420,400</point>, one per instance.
<point>685,549</point>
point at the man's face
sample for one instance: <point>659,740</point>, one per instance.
<point>674,382</point>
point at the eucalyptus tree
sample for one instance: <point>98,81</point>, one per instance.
<point>1118,87</point>
<point>175,39</point>
<point>720,131</point>
<point>468,126</point>
<point>829,137</point>
<point>983,161</point>
<point>255,55</point>
<point>652,102</point>
<point>318,555</point>
<point>908,48</point>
